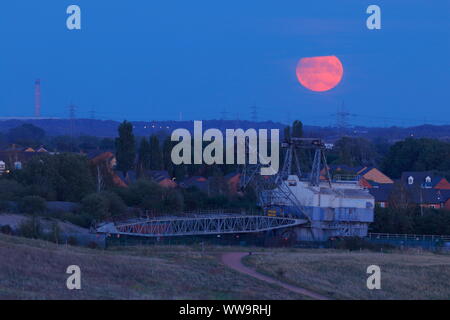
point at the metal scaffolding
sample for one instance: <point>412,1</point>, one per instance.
<point>210,225</point>
<point>273,191</point>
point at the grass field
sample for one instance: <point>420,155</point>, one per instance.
<point>342,275</point>
<point>32,269</point>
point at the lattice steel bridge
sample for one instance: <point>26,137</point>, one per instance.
<point>194,226</point>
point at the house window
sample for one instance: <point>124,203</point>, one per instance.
<point>410,180</point>
<point>18,165</point>
<point>382,205</point>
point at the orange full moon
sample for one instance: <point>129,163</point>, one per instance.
<point>320,73</point>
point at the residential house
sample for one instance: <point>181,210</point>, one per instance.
<point>162,178</point>
<point>198,182</point>
<point>105,162</point>
<point>424,189</point>
<point>381,193</point>
<point>14,157</point>
<point>126,180</point>
<point>233,179</point>
<point>374,175</point>
<point>368,177</point>
<point>424,180</point>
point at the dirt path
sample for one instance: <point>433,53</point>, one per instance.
<point>233,260</point>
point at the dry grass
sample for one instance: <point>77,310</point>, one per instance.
<point>31,269</point>
<point>342,274</point>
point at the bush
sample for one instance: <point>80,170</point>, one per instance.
<point>33,205</point>
<point>148,193</point>
<point>173,201</point>
<point>72,241</point>
<point>55,233</point>
<point>92,245</point>
<point>116,206</point>
<point>5,206</point>
<point>128,196</point>
<point>356,243</point>
<point>96,206</point>
<point>100,206</point>
<point>31,228</point>
<point>6,229</point>
<point>80,219</point>
<point>10,190</point>
<point>411,220</point>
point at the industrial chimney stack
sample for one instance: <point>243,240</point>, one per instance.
<point>37,98</point>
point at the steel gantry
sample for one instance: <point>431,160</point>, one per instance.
<point>209,225</point>
<point>273,191</point>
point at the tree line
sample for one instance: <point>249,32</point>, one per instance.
<point>70,176</point>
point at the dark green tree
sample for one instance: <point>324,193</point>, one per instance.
<point>10,190</point>
<point>355,152</point>
<point>144,156</point>
<point>31,228</point>
<point>156,157</point>
<point>96,206</point>
<point>86,143</point>
<point>173,201</point>
<point>287,133</point>
<point>167,159</point>
<point>103,205</point>
<point>63,143</point>
<point>107,144</point>
<point>61,177</point>
<point>297,129</point>
<point>125,148</point>
<point>75,178</point>
<point>417,155</point>
<point>26,135</point>
<point>218,185</point>
<point>33,205</point>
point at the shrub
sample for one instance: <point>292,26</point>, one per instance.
<point>92,245</point>
<point>72,241</point>
<point>6,229</point>
<point>62,177</point>
<point>81,219</point>
<point>96,205</point>
<point>31,228</point>
<point>10,190</point>
<point>103,205</point>
<point>356,243</point>
<point>33,205</point>
<point>280,272</point>
<point>55,233</point>
<point>173,201</point>
<point>5,206</point>
<point>128,195</point>
<point>116,206</point>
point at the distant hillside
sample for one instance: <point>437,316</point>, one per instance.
<point>108,128</point>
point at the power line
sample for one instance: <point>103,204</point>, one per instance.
<point>92,113</point>
<point>72,109</point>
<point>224,114</point>
<point>254,113</point>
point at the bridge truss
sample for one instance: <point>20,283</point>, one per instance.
<point>211,225</point>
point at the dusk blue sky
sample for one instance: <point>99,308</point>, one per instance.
<point>151,60</point>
